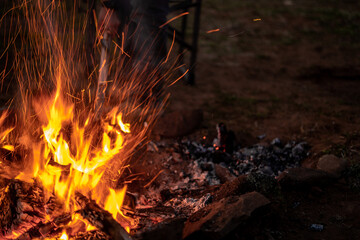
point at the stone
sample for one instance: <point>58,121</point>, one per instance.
<point>332,164</point>
<point>178,123</point>
<point>316,227</point>
<point>218,219</point>
<point>276,141</point>
<point>304,178</point>
<point>237,186</point>
<point>223,173</point>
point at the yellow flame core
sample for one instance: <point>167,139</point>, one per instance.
<point>64,236</point>
<point>114,202</point>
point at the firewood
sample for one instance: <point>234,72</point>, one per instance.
<point>48,229</point>
<point>22,206</point>
<point>100,218</point>
<point>92,235</point>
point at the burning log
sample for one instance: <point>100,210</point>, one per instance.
<point>92,235</point>
<point>48,229</point>
<point>100,218</point>
<point>25,207</point>
<point>22,206</point>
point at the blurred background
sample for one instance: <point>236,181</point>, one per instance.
<point>284,68</point>
<point>281,68</point>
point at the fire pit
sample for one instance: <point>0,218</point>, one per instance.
<point>188,179</point>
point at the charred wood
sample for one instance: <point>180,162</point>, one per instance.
<point>100,218</point>
<point>22,206</point>
<point>47,229</point>
<point>92,235</point>
<point>168,229</point>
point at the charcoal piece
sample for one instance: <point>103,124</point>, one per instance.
<point>267,171</point>
<point>262,136</point>
<point>299,149</point>
<point>276,142</point>
<point>277,150</point>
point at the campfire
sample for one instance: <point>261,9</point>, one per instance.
<point>71,171</point>
<point>70,156</point>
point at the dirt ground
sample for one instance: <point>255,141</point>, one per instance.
<point>294,74</point>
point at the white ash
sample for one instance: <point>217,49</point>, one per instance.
<point>191,166</point>
<point>189,205</point>
<point>269,160</point>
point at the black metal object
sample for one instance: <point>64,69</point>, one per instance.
<point>180,34</point>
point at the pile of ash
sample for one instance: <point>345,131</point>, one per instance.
<point>269,159</point>
<point>193,171</point>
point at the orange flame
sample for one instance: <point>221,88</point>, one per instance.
<point>5,133</point>
<point>65,171</point>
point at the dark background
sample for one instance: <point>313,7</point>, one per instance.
<point>294,74</point>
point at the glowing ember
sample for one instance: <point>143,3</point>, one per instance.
<point>213,30</point>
